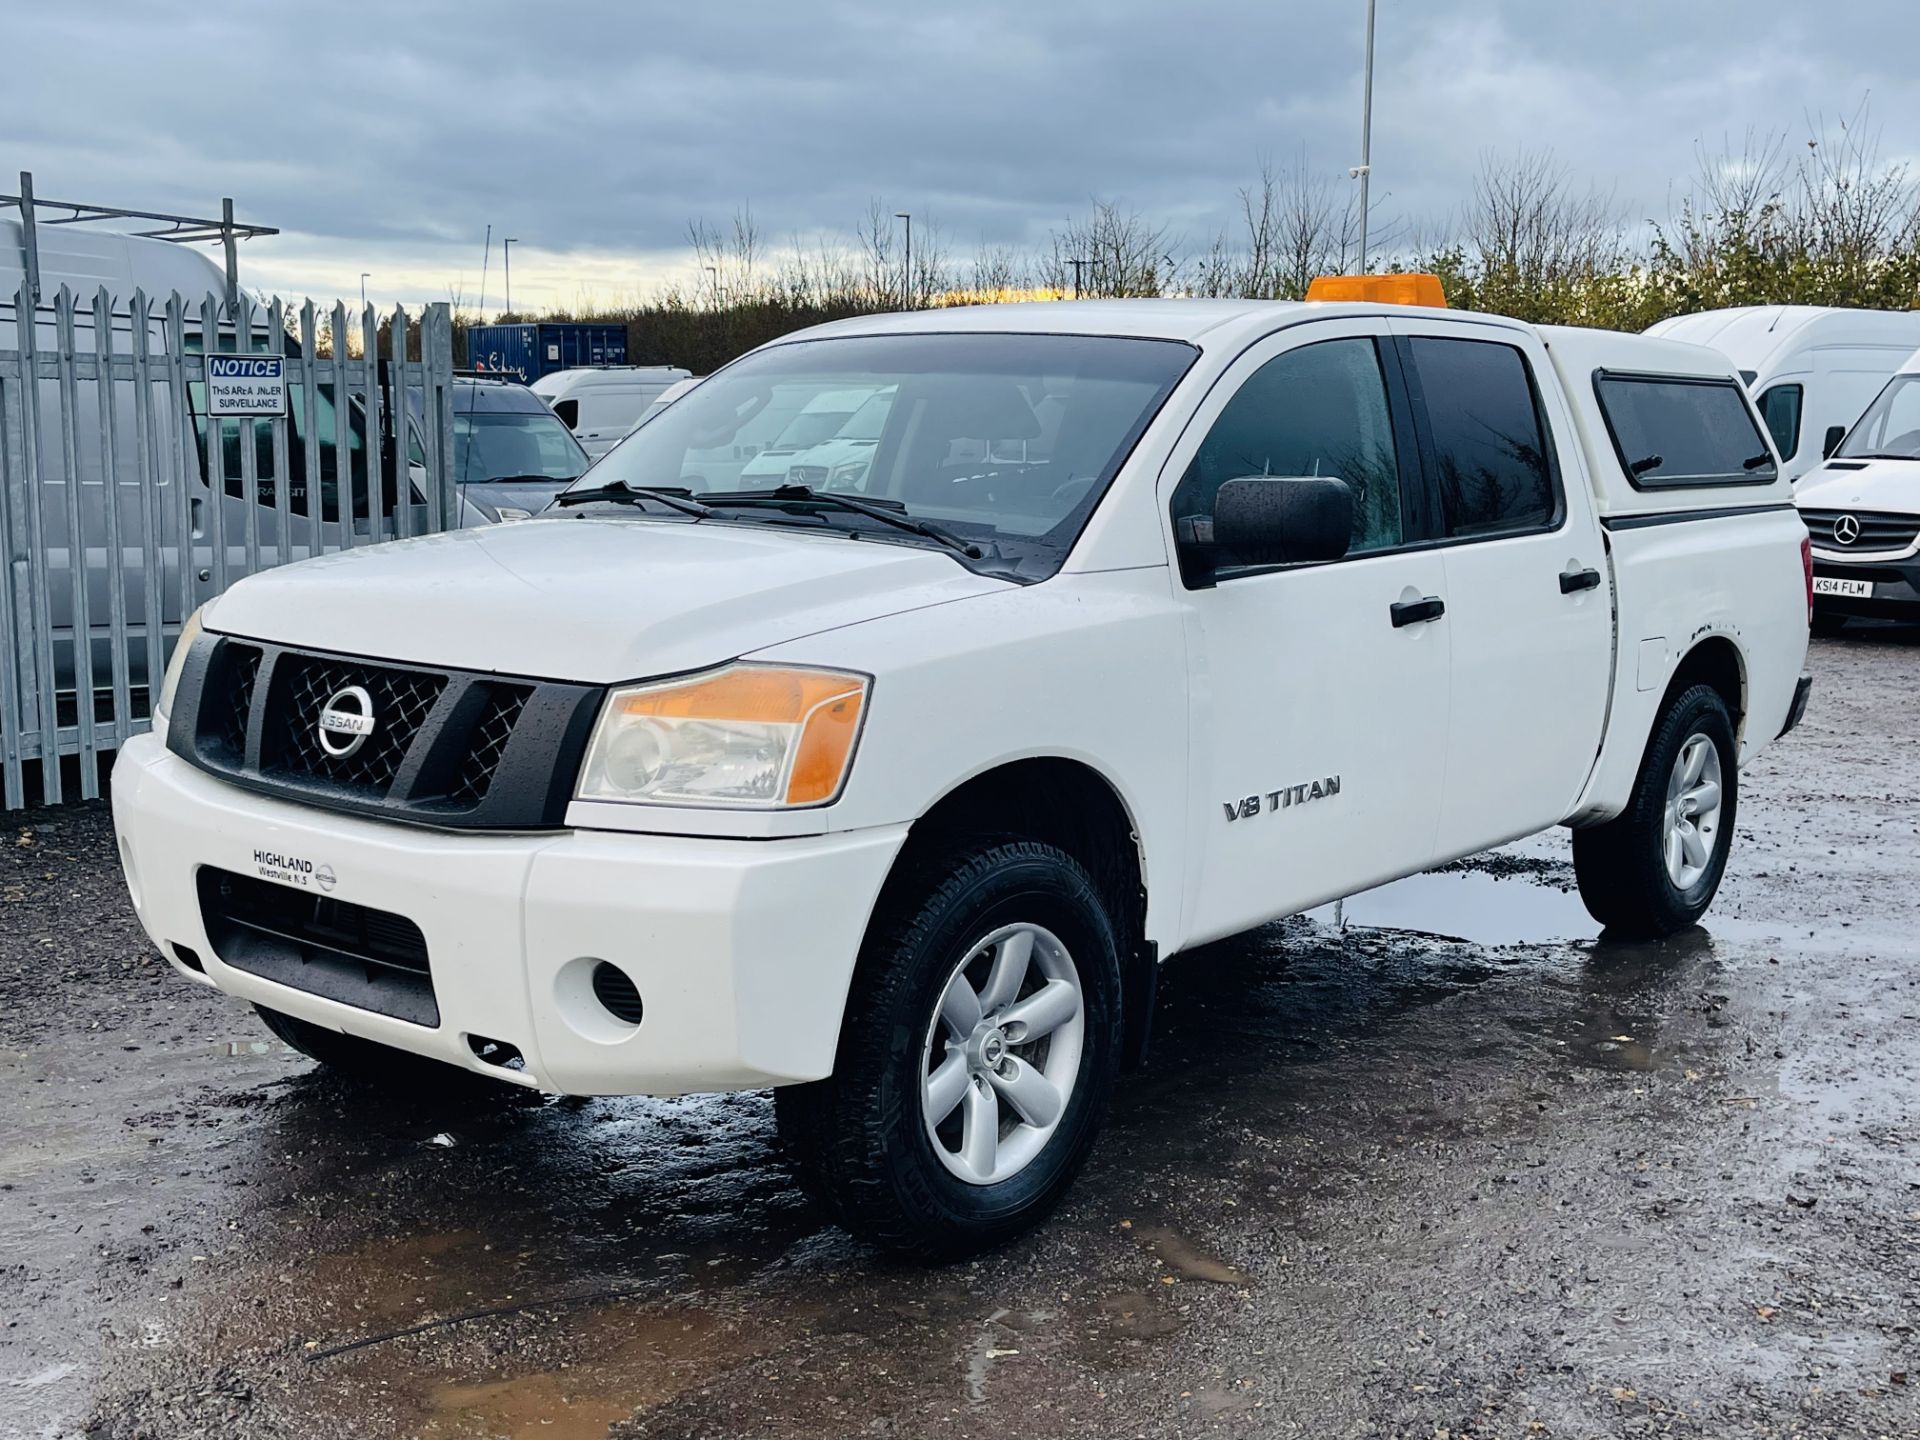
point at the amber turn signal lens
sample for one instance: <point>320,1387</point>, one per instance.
<point>781,736</point>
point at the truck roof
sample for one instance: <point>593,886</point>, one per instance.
<point>1196,321</point>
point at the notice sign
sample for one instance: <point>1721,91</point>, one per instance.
<point>246,385</point>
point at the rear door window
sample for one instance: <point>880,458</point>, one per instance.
<point>1492,460</point>
<point>1683,432</point>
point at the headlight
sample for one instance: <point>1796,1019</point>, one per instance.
<point>848,472</point>
<point>176,662</point>
<point>509,512</point>
<point>758,736</point>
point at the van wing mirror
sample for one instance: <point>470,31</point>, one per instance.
<point>1835,434</point>
<point>1264,520</point>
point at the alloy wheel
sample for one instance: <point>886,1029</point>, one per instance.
<point>1002,1053</point>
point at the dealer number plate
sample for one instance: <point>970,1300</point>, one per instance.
<point>1834,585</point>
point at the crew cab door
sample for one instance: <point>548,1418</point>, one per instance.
<point>1319,714</point>
<point>1529,598</point>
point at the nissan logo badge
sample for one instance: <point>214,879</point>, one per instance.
<point>346,720</point>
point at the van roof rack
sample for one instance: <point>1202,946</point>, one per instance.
<point>180,229</point>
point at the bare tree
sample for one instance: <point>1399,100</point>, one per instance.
<point>1119,252</point>
<point>997,273</point>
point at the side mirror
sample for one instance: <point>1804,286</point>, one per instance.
<point>1268,521</point>
<point>1835,434</point>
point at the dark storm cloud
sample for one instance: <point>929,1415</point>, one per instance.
<point>404,128</point>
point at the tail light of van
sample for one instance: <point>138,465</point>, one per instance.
<point>1806,568</point>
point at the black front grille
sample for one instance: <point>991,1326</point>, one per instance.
<point>304,685</point>
<point>304,938</point>
<point>240,667</point>
<point>487,745</point>
<point>1879,530</point>
<point>446,747</point>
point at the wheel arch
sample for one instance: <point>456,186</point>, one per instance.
<point>1070,804</point>
<point>1716,661</point>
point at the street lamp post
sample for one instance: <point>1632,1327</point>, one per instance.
<point>506,252</point>
<point>1364,171</point>
<point>363,288</point>
<point>906,268</point>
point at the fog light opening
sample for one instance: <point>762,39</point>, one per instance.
<point>496,1052</point>
<point>617,993</point>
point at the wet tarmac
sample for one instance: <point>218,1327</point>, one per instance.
<point>1450,1165</point>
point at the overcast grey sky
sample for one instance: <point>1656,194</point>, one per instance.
<point>384,137</point>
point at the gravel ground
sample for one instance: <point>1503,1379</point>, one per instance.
<point>1456,1169</point>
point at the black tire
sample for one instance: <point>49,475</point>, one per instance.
<point>1825,622</point>
<point>367,1062</point>
<point>857,1138</point>
<point>1621,865</point>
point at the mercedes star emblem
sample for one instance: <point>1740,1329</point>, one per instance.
<point>346,720</point>
<point>1846,529</point>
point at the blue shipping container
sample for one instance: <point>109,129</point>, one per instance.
<point>526,352</point>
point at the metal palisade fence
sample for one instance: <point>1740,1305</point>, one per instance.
<point>138,479</point>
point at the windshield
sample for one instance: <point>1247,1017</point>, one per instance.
<point>1890,429</point>
<point>1006,441</point>
<point>497,445</point>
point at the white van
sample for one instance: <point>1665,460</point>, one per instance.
<point>84,258</point>
<point>1862,509</point>
<point>1811,368</point>
<point>600,404</point>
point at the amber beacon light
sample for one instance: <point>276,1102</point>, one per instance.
<point>1400,289</point>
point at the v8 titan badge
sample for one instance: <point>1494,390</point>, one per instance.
<point>346,720</point>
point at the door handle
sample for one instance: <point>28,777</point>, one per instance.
<point>1572,581</point>
<point>1417,612</point>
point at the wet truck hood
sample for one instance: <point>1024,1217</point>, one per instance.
<point>591,600</point>
<point>1890,485</point>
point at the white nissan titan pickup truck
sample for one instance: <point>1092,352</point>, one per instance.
<point>1145,623</point>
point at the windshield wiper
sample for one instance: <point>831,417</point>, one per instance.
<point>621,491</point>
<point>873,510</point>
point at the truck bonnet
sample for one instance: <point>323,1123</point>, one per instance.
<point>588,599</point>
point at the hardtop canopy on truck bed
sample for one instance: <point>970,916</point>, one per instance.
<point>1668,426</point>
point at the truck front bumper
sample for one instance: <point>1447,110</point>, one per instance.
<point>741,950</point>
